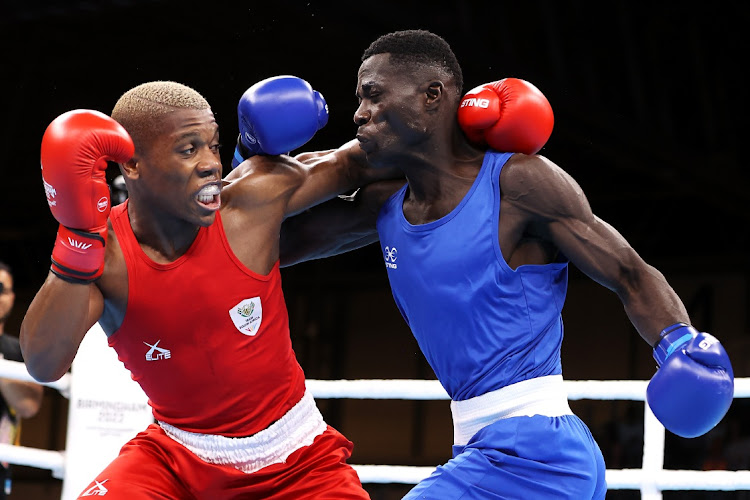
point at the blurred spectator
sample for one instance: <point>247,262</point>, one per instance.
<point>18,399</point>
<point>119,190</point>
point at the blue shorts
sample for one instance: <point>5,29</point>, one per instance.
<point>524,458</point>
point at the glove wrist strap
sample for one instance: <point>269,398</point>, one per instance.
<point>242,151</point>
<point>55,268</point>
<point>78,256</point>
<point>671,339</point>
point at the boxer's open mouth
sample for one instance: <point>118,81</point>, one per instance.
<point>210,196</point>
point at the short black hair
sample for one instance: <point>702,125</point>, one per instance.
<point>418,46</point>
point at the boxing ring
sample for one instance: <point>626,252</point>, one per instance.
<point>107,408</point>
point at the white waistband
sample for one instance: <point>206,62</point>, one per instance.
<point>538,396</point>
<point>273,445</point>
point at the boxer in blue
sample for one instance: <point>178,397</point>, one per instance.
<point>477,245</point>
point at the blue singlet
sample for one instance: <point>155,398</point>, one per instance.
<point>483,326</point>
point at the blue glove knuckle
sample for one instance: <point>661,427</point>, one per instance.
<point>694,385</point>
<point>280,114</point>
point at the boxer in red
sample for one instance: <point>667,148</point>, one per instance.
<point>184,279</point>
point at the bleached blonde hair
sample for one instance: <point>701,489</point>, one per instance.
<point>141,108</point>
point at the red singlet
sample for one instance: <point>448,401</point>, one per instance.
<point>206,338</point>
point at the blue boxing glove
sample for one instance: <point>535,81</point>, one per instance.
<point>694,385</point>
<point>277,115</point>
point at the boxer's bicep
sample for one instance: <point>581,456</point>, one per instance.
<point>560,208</point>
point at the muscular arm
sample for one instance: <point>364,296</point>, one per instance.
<point>329,173</point>
<point>336,226</point>
<point>294,185</point>
<point>560,213</point>
<point>55,323</point>
<point>308,179</point>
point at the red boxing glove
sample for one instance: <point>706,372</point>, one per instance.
<point>509,115</point>
<point>75,149</point>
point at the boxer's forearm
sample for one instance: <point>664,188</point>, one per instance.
<point>55,323</point>
<point>329,229</point>
<point>650,302</point>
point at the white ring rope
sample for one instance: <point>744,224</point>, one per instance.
<point>650,480</point>
<point>33,457</point>
<point>18,371</point>
<point>634,390</point>
<point>617,479</point>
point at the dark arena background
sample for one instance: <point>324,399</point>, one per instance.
<point>651,107</point>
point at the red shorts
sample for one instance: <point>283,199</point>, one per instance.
<point>154,466</point>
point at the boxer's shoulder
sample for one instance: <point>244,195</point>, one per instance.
<point>262,179</point>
